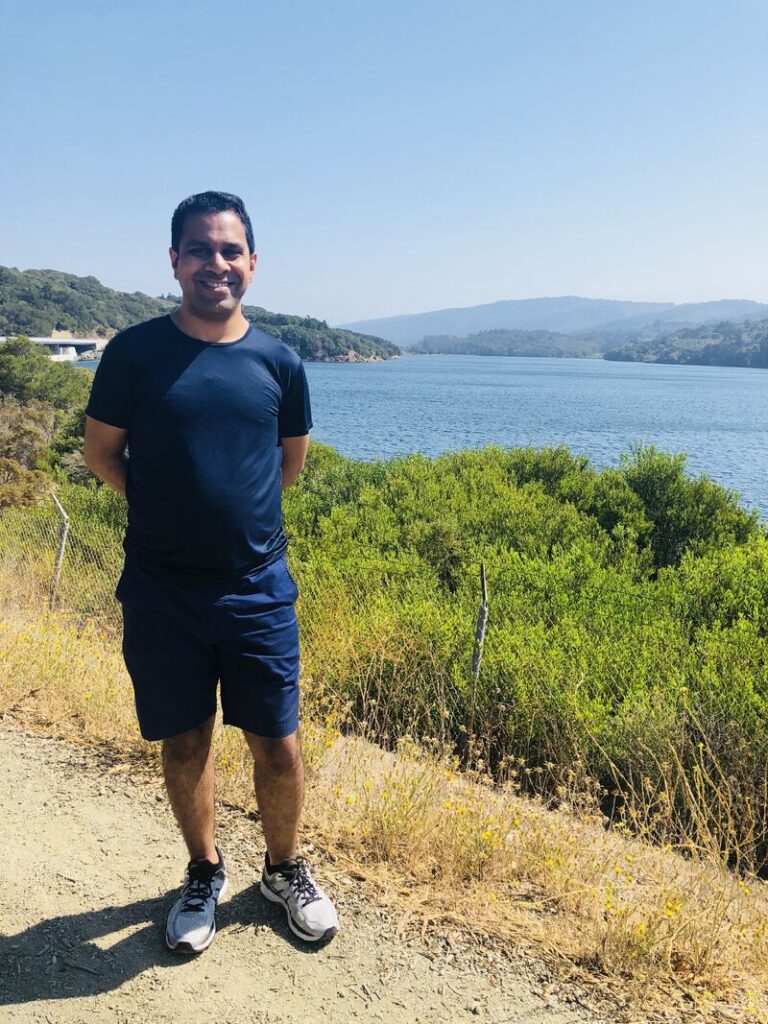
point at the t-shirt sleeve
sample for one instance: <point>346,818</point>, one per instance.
<point>111,398</point>
<point>295,416</point>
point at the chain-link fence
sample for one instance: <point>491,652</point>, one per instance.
<point>49,558</point>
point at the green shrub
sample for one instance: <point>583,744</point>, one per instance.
<point>627,635</point>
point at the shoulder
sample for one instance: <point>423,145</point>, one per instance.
<point>281,357</point>
<point>132,341</point>
<point>138,334</point>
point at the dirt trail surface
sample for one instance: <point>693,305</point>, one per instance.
<point>91,862</point>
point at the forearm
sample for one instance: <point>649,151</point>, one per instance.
<point>112,471</point>
<point>293,457</point>
<point>289,474</point>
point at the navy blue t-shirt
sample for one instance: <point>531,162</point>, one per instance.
<point>204,423</point>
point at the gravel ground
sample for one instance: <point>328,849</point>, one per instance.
<point>91,862</point>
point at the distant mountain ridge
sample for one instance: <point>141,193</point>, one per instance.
<point>569,314</point>
<point>39,302</point>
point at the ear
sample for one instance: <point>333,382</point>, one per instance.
<point>254,257</point>
<point>174,259</point>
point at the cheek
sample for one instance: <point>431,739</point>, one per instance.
<point>184,268</point>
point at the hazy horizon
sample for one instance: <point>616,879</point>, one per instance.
<point>563,295</point>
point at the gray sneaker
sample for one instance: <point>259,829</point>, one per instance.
<point>311,915</point>
<point>191,921</point>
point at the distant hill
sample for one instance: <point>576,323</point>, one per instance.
<point>509,343</point>
<point>726,343</point>
<point>39,302</point>
<point>720,344</point>
<point>684,315</point>
<point>565,314</point>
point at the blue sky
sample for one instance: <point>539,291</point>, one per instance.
<point>396,157</point>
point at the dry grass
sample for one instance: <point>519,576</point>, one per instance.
<point>664,928</point>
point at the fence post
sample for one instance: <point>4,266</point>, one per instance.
<point>60,553</point>
<point>477,652</point>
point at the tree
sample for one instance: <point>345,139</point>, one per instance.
<point>27,374</point>
<point>26,431</point>
<point>20,486</point>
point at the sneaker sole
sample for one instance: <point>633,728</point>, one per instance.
<point>187,947</point>
<point>274,897</point>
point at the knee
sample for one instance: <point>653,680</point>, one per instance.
<point>276,757</point>
<point>188,747</point>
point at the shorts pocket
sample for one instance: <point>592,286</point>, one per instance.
<point>137,589</point>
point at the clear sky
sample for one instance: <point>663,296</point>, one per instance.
<point>399,156</point>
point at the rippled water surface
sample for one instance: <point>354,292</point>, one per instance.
<point>430,404</point>
<point>717,415</point>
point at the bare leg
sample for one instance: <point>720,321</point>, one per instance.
<point>278,777</point>
<point>188,770</point>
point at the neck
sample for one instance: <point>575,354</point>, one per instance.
<point>230,329</point>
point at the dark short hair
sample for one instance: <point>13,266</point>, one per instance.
<point>209,202</point>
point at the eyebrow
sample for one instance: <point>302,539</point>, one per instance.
<point>190,242</point>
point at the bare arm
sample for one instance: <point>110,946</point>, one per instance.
<point>294,455</point>
<point>105,452</point>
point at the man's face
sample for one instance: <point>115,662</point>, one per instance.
<point>213,265</point>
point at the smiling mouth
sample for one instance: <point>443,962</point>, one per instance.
<point>216,286</point>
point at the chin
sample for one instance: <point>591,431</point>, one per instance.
<point>218,311</point>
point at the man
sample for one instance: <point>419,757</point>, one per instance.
<point>216,417</point>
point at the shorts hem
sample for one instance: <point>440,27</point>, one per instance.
<point>157,735</point>
<point>277,733</point>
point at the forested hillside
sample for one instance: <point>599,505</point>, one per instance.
<point>314,339</point>
<point>39,302</point>
<point>509,343</point>
<point>726,343</point>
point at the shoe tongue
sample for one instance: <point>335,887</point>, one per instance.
<point>202,869</point>
<point>285,867</point>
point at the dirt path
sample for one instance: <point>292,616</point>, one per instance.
<point>91,861</point>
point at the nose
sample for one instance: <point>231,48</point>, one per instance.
<point>217,262</point>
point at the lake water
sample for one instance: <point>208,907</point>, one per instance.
<point>431,404</point>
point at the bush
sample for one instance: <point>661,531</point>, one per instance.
<point>627,635</point>
<point>28,374</point>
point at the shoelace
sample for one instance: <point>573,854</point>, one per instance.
<point>197,891</point>
<point>302,885</point>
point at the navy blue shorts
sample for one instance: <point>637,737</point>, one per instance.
<point>180,641</point>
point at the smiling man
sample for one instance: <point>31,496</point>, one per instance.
<point>215,417</point>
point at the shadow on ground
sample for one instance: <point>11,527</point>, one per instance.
<point>59,958</point>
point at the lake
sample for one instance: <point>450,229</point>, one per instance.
<point>431,404</point>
